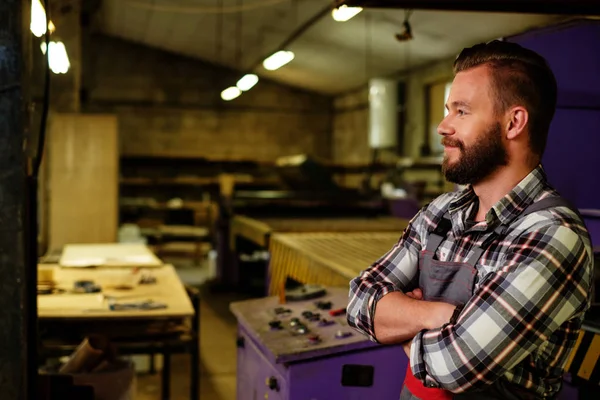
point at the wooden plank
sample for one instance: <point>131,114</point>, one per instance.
<point>83,179</point>
<point>108,255</point>
<point>168,289</point>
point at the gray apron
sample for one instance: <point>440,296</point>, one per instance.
<point>454,283</point>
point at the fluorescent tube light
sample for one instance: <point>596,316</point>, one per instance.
<point>247,82</point>
<point>344,13</point>
<point>230,93</point>
<point>57,57</point>
<point>278,60</point>
<point>38,18</point>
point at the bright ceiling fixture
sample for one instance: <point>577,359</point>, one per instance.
<point>247,82</point>
<point>38,19</point>
<point>57,57</point>
<point>343,13</point>
<point>230,93</point>
<point>278,60</point>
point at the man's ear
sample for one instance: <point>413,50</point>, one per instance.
<point>517,118</point>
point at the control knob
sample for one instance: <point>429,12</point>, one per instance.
<point>275,324</point>
<point>342,334</point>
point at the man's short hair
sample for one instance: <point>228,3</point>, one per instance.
<point>519,77</point>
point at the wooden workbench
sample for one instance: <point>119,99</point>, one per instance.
<point>259,230</point>
<point>168,289</point>
<point>331,259</point>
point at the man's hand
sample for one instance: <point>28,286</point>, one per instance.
<point>416,294</point>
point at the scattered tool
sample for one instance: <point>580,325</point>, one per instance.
<point>140,305</point>
<point>85,286</point>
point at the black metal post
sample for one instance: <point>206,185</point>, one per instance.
<point>16,381</point>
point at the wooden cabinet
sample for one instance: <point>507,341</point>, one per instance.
<point>82,167</point>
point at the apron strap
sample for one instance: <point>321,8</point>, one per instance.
<point>438,235</point>
<point>548,202</point>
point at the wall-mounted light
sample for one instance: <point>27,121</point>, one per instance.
<point>57,57</point>
<point>230,93</point>
<point>343,13</point>
<point>38,19</point>
<point>278,60</point>
<point>247,82</point>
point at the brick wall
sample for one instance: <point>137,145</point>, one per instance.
<point>170,105</point>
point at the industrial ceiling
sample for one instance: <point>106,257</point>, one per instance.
<point>330,57</point>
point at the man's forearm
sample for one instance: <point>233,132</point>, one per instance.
<point>399,318</point>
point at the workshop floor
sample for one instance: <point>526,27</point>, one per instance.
<point>217,349</point>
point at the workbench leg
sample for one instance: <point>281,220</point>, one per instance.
<point>152,364</point>
<point>166,376</point>
<point>195,371</point>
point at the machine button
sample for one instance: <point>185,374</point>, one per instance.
<point>314,339</point>
<point>301,329</point>
<point>342,334</point>
<point>275,324</point>
<point>294,321</point>
<point>282,310</point>
<point>338,312</point>
<point>315,317</point>
<point>326,322</point>
<point>323,305</point>
<point>307,314</point>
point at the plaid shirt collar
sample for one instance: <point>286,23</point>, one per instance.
<point>508,207</point>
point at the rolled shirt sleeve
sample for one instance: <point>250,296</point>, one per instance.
<point>394,271</point>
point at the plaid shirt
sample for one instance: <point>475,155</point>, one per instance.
<point>533,288</point>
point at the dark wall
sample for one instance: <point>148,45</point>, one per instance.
<point>572,155</point>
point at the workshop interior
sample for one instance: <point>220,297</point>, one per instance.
<point>199,180</point>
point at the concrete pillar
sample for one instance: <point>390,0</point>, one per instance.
<point>14,373</point>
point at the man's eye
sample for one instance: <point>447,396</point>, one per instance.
<point>460,112</point>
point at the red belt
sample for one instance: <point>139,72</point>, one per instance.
<point>424,393</point>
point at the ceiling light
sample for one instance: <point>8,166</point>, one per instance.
<point>247,82</point>
<point>344,13</point>
<point>38,18</point>
<point>230,93</point>
<point>57,57</point>
<point>278,60</point>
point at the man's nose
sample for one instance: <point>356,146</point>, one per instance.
<point>445,128</point>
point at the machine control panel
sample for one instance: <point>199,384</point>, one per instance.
<point>314,323</point>
<point>311,320</point>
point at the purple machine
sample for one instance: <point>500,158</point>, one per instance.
<point>305,350</point>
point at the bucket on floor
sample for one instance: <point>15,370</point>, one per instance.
<point>114,382</point>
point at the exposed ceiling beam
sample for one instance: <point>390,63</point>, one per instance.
<point>571,7</point>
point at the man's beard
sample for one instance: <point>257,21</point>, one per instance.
<point>478,161</point>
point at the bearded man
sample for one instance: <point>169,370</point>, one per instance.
<point>488,286</point>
